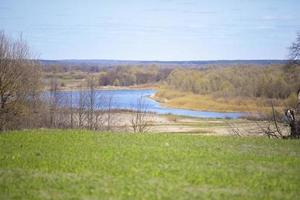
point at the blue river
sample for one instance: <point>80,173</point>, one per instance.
<point>128,99</point>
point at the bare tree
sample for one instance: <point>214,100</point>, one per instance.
<point>294,56</point>
<point>110,116</point>
<point>91,83</point>
<point>105,112</point>
<point>66,111</point>
<point>19,82</point>
<point>274,125</point>
<point>81,111</point>
<point>71,110</point>
<point>140,117</point>
<point>99,112</point>
<point>293,113</point>
<point>293,118</point>
<point>53,100</point>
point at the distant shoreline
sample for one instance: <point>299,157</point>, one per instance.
<point>134,87</point>
<point>108,62</point>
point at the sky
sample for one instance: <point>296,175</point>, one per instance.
<point>153,29</point>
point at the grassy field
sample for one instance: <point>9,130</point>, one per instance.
<point>59,164</point>
<point>188,100</point>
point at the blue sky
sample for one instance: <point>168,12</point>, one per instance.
<point>154,29</point>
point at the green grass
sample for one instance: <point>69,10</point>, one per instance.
<point>58,164</point>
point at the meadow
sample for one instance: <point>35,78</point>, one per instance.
<point>78,164</point>
<point>188,100</point>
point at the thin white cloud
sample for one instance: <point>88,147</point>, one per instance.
<point>277,17</point>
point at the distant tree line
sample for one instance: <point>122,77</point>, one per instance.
<point>247,81</point>
<point>113,76</point>
<point>133,75</point>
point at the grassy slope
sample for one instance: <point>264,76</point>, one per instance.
<point>58,164</point>
<point>189,100</point>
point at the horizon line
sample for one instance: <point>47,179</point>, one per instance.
<point>133,60</point>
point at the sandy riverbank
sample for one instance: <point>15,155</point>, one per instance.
<point>188,125</point>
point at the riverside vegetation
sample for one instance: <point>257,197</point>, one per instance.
<point>245,88</point>
<point>232,89</point>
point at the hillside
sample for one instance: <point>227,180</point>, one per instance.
<point>76,164</point>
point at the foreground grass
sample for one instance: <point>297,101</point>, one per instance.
<point>188,100</point>
<point>57,164</point>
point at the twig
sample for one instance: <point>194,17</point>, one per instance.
<point>275,121</point>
